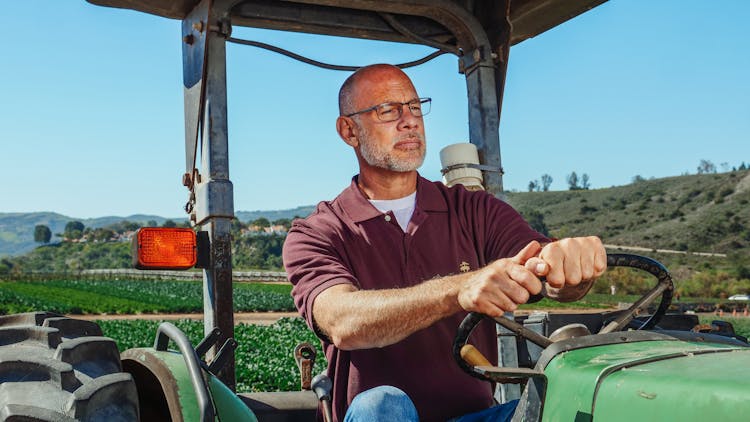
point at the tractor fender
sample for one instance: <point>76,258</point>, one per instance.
<point>166,391</point>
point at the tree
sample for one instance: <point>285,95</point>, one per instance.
<point>152,223</point>
<point>706,167</point>
<point>42,234</point>
<point>102,234</point>
<point>573,181</point>
<point>236,227</point>
<point>535,220</point>
<point>285,222</point>
<point>638,178</point>
<point>169,224</point>
<point>261,222</point>
<point>533,185</point>
<point>585,182</point>
<point>73,230</point>
<point>742,166</point>
<point>546,182</point>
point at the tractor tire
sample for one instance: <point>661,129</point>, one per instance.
<point>54,368</point>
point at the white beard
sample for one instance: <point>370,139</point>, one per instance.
<point>382,158</point>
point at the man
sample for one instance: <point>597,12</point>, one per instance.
<point>385,272</point>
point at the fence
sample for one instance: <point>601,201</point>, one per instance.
<point>275,276</point>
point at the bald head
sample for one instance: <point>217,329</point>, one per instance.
<point>376,73</point>
<point>394,145</point>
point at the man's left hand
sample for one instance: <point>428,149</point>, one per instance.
<point>569,262</point>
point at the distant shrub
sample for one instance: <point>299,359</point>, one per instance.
<point>742,271</point>
<point>588,210</point>
<point>726,192</point>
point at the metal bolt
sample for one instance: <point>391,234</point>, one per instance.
<point>188,39</point>
<point>198,26</point>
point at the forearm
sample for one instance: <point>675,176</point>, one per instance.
<point>360,319</point>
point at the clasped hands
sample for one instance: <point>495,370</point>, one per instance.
<point>570,264</point>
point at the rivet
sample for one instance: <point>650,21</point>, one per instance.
<point>387,217</point>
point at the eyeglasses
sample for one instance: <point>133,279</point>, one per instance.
<point>389,112</point>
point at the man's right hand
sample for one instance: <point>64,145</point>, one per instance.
<point>502,285</point>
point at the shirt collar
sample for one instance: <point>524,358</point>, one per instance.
<point>359,208</point>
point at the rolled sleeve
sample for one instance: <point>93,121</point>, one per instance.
<point>313,265</point>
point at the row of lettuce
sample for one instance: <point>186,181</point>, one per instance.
<point>134,296</point>
<point>114,296</point>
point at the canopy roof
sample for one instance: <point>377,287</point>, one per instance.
<point>364,18</point>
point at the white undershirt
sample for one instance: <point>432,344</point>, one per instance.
<point>402,208</point>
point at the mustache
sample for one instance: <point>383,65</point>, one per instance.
<point>408,135</point>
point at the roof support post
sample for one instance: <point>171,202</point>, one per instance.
<point>204,74</point>
<point>484,63</point>
<point>494,16</point>
<point>484,119</point>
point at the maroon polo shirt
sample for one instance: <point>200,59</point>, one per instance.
<point>348,240</point>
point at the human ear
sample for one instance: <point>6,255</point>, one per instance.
<point>346,130</point>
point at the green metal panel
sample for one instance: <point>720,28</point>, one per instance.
<point>228,406</point>
<point>573,376</point>
<point>176,364</point>
<point>689,388</point>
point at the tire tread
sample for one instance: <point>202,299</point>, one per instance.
<point>54,368</point>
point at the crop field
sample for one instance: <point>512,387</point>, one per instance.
<point>146,296</point>
<point>112,296</point>
<point>264,355</point>
<point>133,296</point>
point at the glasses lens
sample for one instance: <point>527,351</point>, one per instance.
<point>420,107</point>
<point>389,112</point>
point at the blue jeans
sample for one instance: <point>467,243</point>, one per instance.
<point>387,403</point>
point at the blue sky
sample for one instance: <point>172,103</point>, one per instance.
<point>92,111</point>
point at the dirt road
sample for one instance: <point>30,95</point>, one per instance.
<point>258,318</point>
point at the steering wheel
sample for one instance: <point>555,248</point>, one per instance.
<point>463,352</point>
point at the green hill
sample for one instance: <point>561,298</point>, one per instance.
<point>302,211</point>
<point>699,213</point>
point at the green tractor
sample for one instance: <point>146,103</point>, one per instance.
<point>632,364</point>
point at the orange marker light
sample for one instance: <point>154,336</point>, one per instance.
<point>156,248</point>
